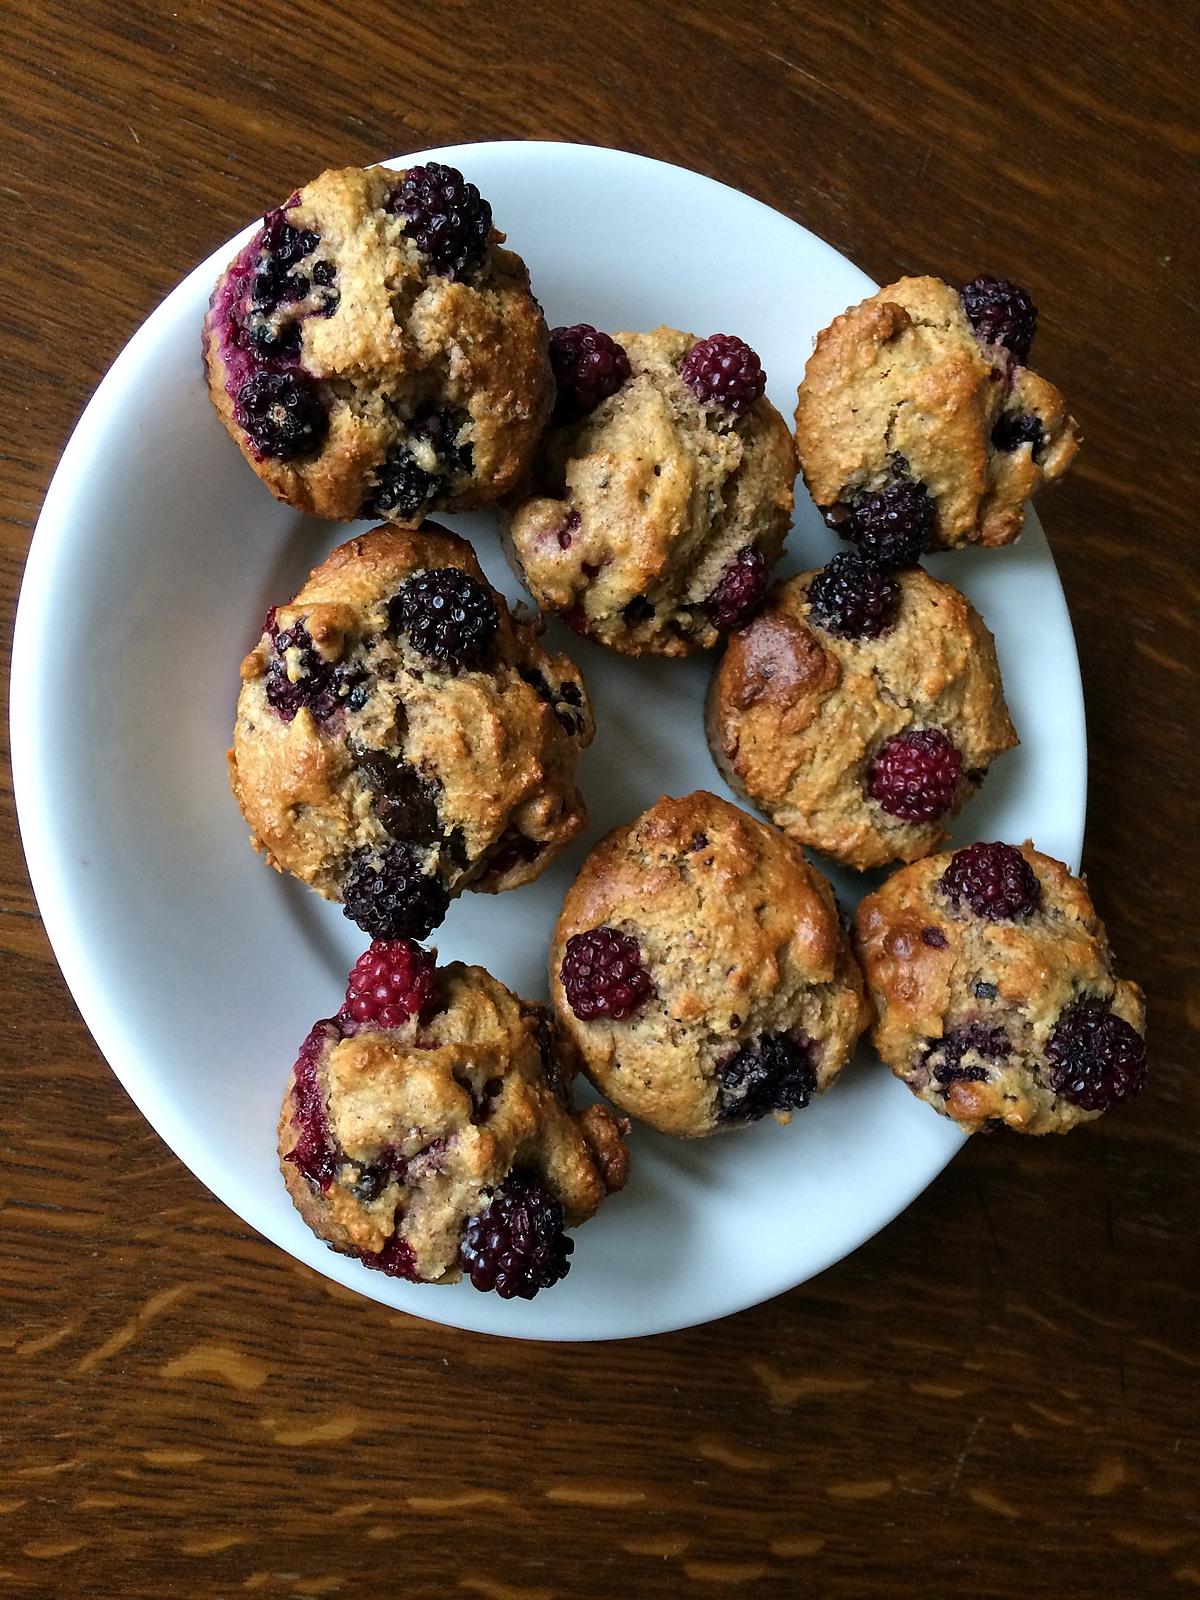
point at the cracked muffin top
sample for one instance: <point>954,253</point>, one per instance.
<point>429,1129</point>
<point>400,737</point>
<point>860,710</point>
<point>994,993</point>
<point>375,351</point>
<point>700,966</point>
<point>919,425</point>
<point>662,491</point>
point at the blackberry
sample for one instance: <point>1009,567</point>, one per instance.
<point>892,525</point>
<point>724,372</point>
<point>297,675</point>
<point>390,895</point>
<point>945,1056</point>
<point>282,413</point>
<point>282,248</point>
<point>1012,431</point>
<point>995,880</point>
<point>450,618</point>
<point>588,367</point>
<point>854,598</point>
<point>446,216</point>
<point>916,774</point>
<point>638,610</point>
<point>518,1245</point>
<point>418,469</point>
<point>774,1073</point>
<point>1001,313</point>
<point>1096,1059</point>
<point>314,1153</point>
<point>568,694</point>
<point>405,803</point>
<point>740,591</point>
<point>388,984</point>
<point>603,975</point>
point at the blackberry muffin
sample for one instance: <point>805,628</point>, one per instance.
<point>662,494</point>
<point>994,993</point>
<point>375,352</point>
<point>919,424</point>
<point>400,737</point>
<point>429,1129</point>
<point>860,709</point>
<point>701,968</point>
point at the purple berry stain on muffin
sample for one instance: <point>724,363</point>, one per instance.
<point>854,598</point>
<point>518,1244</point>
<point>994,880</point>
<point>314,1152</point>
<point>448,617</point>
<point>740,591</point>
<point>447,218</point>
<point>724,373</point>
<point>774,1073</point>
<point>603,975</point>
<point>588,367</point>
<point>1001,313</point>
<point>916,775</point>
<point>1096,1058</point>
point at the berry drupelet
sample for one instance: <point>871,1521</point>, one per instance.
<point>723,372</point>
<point>995,880</point>
<point>854,598</point>
<point>603,975</point>
<point>518,1244</point>
<point>916,775</point>
<point>1001,313</point>
<point>446,216</point>
<point>1096,1059</point>
<point>448,616</point>
<point>588,366</point>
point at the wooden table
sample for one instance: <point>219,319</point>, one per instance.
<point>995,1397</point>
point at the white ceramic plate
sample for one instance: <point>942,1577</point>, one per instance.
<point>199,971</point>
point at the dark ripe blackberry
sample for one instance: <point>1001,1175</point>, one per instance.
<point>282,248</point>
<point>283,414</point>
<point>854,598</point>
<point>1011,432</point>
<point>1001,313</point>
<point>774,1073</point>
<point>402,488</point>
<point>391,896</point>
<point>1096,1058</point>
<point>892,526</point>
<point>446,216</point>
<point>374,1177</point>
<point>389,983</point>
<point>280,343</point>
<point>568,694</point>
<point>448,616</point>
<point>405,802</point>
<point>518,1245</point>
<point>315,1153</point>
<point>588,367</point>
<point>603,975</point>
<point>396,1259</point>
<point>638,610</point>
<point>962,1056</point>
<point>995,880</point>
<point>984,990</point>
<point>916,774</point>
<point>724,372</point>
<point>740,591</point>
<point>297,675</point>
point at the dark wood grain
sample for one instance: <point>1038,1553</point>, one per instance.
<point>997,1397</point>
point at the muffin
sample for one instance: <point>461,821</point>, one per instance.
<point>662,492</point>
<point>918,423</point>
<point>429,1129</point>
<point>701,969</point>
<point>994,993</point>
<point>375,352</point>
<point>401,737</point>
<point>860,709</point>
